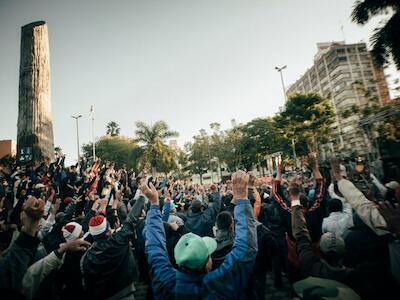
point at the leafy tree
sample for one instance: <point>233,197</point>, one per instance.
<point>199,154</point>
<point>156,154</point>
<point>112,129</point>
<point>306,118</point>
<point>260,137</point>
<point>386,38</point>
<point>119,150</point>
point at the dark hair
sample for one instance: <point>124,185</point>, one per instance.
<point>196,206</point>
<point>224,220</point>
<point>294,189</point>
<point>335,205</point>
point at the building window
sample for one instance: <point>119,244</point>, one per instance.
<point>342,58</point>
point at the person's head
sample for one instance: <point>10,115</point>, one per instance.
<point>360,165</point>
<point>332,248</point>
<point>294,190</point>
<point>224,221</point>
<point>72,231</point>
<point>193,253</point>
<point>264,187</point>
<point>99,227</point>
<point>335,205</point>
<point>196,206</point>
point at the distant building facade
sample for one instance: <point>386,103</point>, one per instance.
<point>346,74</point>
<point>8,147</point>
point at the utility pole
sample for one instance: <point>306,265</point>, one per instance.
<point>77,132</point>
<point>280,69</point>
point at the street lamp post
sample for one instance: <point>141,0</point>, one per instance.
<point>283,84</point>
<point>280,69</point>
<point>77,131</point>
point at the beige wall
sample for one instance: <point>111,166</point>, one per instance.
<point>8,147</point>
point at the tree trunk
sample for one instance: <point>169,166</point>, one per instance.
<point>35,125</point>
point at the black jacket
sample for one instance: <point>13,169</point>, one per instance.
<point>15,264</point>
<point>201,223</point>
<point>109,266</point>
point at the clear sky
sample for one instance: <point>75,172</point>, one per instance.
<point>188,62</point>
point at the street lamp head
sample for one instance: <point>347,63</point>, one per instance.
<point>280,69</point>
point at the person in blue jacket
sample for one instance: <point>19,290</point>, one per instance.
<point>194,279</point>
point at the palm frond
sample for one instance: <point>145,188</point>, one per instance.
<point>386,41</point>
<point>363,10</point>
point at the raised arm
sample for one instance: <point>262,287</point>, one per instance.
<point>232,276</point>
<point>307,258</point>
<point>21,253</point>
<point>364,208</point>
<point>320,189</point>
<point>162,272</point>
<point>276,184</point>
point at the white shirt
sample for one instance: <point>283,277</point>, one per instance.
<point>338,221</point>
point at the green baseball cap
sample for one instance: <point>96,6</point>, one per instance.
<point>321,288</point>
<point>192,251</point>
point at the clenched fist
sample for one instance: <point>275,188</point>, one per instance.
<point>240,180</point>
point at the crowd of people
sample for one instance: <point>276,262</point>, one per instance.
<point>92,231</point>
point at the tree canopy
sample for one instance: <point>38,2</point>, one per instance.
<point>121,150</point>
<point>386,38</point>
<point>155,153</point>
<point>112,129</point>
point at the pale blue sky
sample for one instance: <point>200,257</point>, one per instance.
<point>187,62</point>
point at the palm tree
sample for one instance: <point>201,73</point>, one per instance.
<point>113,129</point>
<point>386,39</point>
<point>155,152</point>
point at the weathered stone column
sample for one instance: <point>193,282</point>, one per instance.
<point>35,125</point>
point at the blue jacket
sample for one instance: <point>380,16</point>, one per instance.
<point>226,282</point>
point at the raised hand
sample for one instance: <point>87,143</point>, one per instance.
<point>150,192</point>
<point>252,180</point>
<point>240,180</point>
<point>312,161</point>
<point>33,211</point>
<point>335,169</point>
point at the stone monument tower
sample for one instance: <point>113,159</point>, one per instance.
<point>35,125</point>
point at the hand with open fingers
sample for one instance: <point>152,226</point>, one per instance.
<point>391,214</point>
<point>149,192</point>
<point>240,180</point>
<point>335,169</point>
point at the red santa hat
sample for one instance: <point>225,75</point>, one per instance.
<point>71,231</point>
<point>97,225</point>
